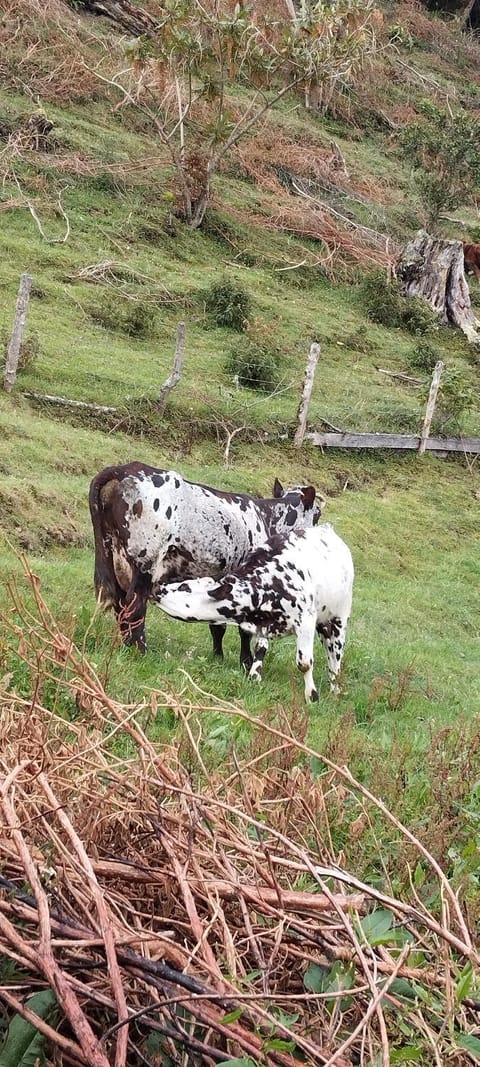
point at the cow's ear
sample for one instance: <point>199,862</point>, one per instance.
<point>308,497</point>
<point>278,489</point>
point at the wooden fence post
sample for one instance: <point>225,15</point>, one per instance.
<point>13,351</point>
<point>432,399</point>
<point>173,378</point>
<point>306,394</point>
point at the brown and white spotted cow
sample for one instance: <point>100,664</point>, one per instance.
<point>152,527</point>
<point>471,259</point>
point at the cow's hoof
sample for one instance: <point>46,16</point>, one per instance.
<point>140,646</point>
<point>314,696</point>
<point>247,665</point>
<point>217,653</point>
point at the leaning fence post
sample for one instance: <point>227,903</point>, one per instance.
<point>306,394</point>
<point>13,351</point>
<point>432,399</point>
<point>173,378</point>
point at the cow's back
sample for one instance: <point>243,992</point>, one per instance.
<point>178,528</point>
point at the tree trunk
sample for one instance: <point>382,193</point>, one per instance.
<point>433,269</point>
<point>128,17</point>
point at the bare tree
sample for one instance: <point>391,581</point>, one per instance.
<point>179,73</point>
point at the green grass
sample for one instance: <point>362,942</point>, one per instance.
<point>412,527</point>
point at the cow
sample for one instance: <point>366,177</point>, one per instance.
<point>298,583</point>
<point>151,526</point>
<point>471,259</point>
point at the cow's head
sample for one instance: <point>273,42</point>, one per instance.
<point>304,499</point>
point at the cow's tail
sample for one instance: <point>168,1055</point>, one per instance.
<point>106,586</point>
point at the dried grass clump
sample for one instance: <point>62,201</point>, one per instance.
<point>48,48</point>
<point>211,910</point>
<point>260,156</point>
<point>342,243</point>
<point>445,38</point>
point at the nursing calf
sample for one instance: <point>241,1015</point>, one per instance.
<point>297,583</point>
<point>152,527</point>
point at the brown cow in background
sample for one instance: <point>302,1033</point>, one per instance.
<point>471,257</point>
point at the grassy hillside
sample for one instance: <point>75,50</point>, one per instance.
<point>88,207</point>
<point>103,314</point>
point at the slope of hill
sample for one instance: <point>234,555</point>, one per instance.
<point>87,209</point>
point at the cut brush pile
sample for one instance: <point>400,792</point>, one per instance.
<point>179,916</point>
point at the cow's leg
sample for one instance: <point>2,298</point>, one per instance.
<point>218,633</point>
<point>246,658</point>
<point>259,652</point>
<point>334,645</point>
<point>131,615</point>
<point>305,642</point>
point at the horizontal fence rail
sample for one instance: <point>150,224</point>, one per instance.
<point>410,442</point>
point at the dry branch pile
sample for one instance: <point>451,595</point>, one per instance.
<point>207,911</point>
<point>319,208</point>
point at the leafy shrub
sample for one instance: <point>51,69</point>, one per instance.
<point>359,340</point>
<point>423,357</point>
<point>381,300</point>
<point>385,304</point>
<point>446,150</point>
<point>139,320</point>
<point>255,361</point>
<point>136,319</point>
<point>456,396</point>
<point>229,305</point>
<point>104,182</point>
<point>29,349</point>
<point>417,317</point>
<point>435,196</point>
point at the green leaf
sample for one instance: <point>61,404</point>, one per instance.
<point>314,978</point>
<point>407,1054</point>
<point>465,982</point>
<point>403,988</point>
<point>23,1045</point>
<point>376,925</point>
<point>418,876</point>
<point>278,1044</point>
<point>232,1016</point>
<point>470,1043</point>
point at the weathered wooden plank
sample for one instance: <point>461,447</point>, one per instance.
<point>453,444</point>
<point>409,442</point>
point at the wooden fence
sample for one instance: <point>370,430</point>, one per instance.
<point>410,442</point>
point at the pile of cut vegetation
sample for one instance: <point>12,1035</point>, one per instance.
<point>155,912</point>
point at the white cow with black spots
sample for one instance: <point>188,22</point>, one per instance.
<point>298,583</point>
<point>153,527</point>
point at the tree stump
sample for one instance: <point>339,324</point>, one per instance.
<point>433,269</point>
